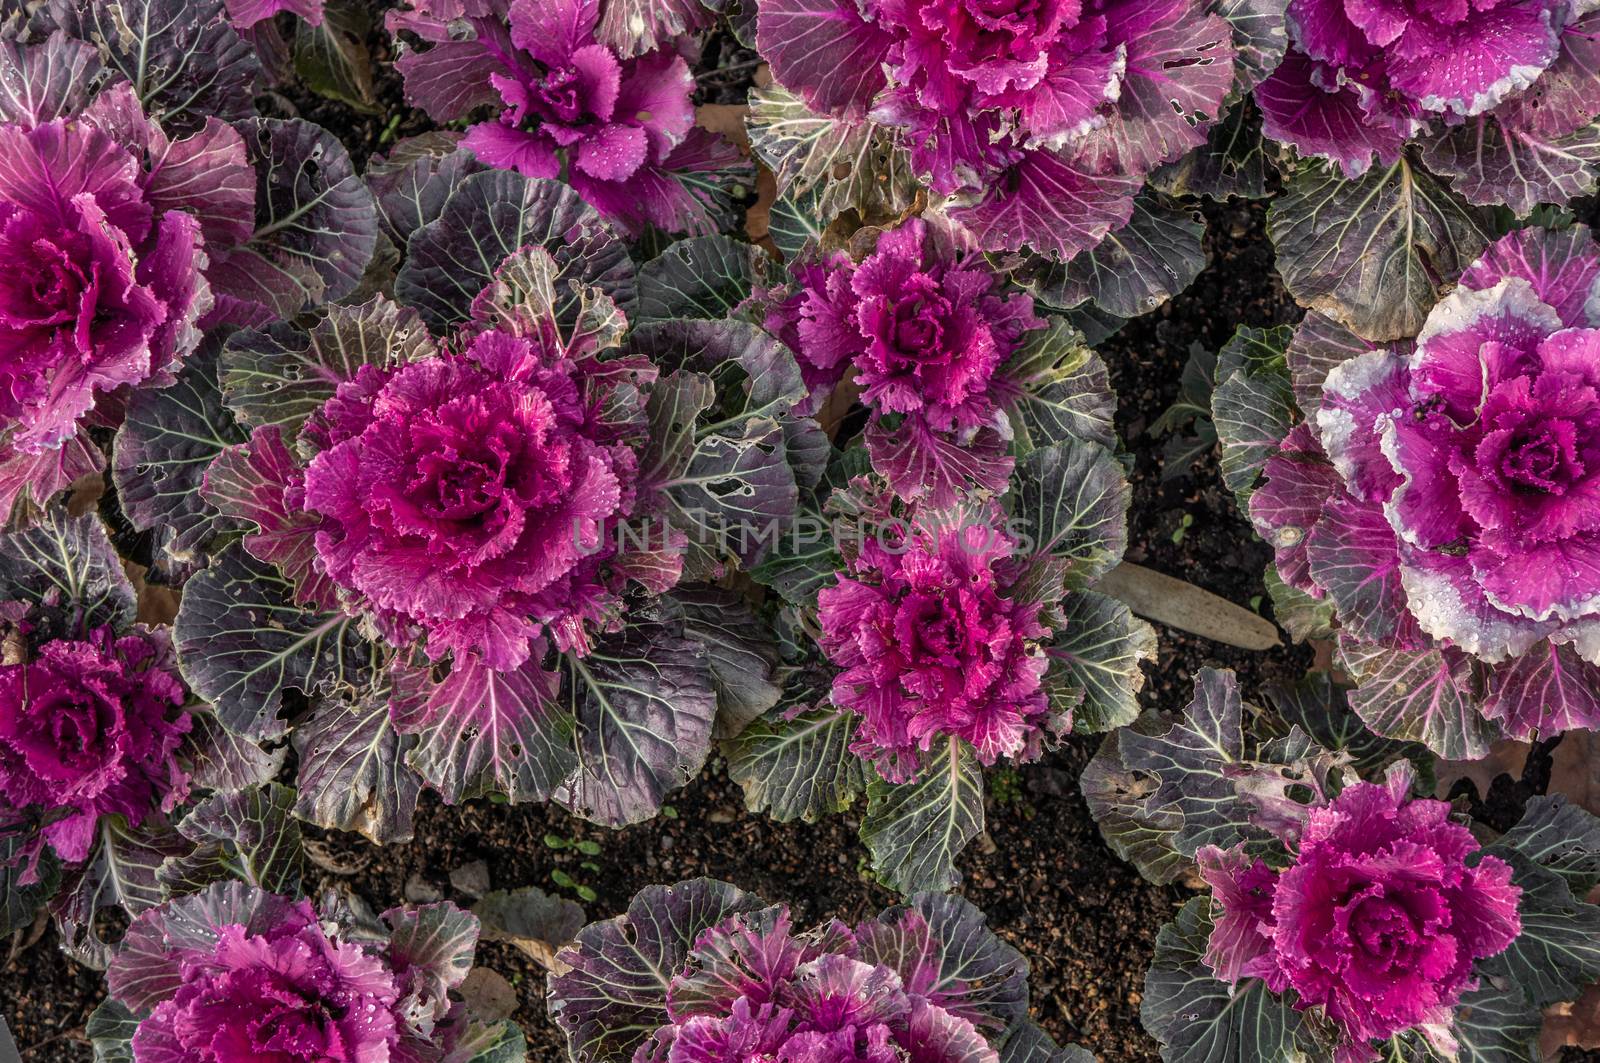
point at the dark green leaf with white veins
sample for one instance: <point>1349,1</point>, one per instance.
<point>739,649</point>
<point>1071,499</point>
<point>169,437</point>
<point>702,277</point>
<point>1100,650</point>
<point>250,835</point>
<point>242,641</point>
<point>1117,798</point>
<point>916,830</point>
<point>354,769</point>
<point>1374,252</point>
<point>122,871</point>
<point>1253,404</point>
<point>1065,389</point>
<point>110,1032</point>
<point>1136,268</point>
<point>1199,1019</point>
<point>1232,162</point>
<point>795,762</point>
<point>66,569</point>
<point>280,374</point>
<point>332,58</point>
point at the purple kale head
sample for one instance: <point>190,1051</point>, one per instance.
<point>1361,79</point>
<point>570,102</point>
<point>1039,118</point>
<point>475,496</point>
<point>236,975</point>
<point>728,977</point>
<point>931,645</point>
<point>924,329</point>
<point>103,289</point>
<point>1446,496</point>
<point>1378,919</point>
<point>90,728</point>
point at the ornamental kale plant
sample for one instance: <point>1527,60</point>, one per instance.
<point>602,98</point>
<point>1433,503</point>
<point>137,220</point>
<point>1347,919</point>
<point>236,974</point>
<point>1034,125</point>
<point>477,522</point>
<point>702,971</point>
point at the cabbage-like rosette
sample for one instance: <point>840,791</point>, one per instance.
<point>922,328</point>
<point>737,979</point>
<point>104,221</point>
<point>1486,87</point>
<point>1444,493</point>
<point>1036,121</point>
<point>618,126</point>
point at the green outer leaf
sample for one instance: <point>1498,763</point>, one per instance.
<point>1146,838</point>
<point>1374,252</point>
<point>68,570</point>
<point>281,374</point>
<point>1557,954</point>
<point>1301,615</point>
<point>19,905</point>
<point>739,650</point>
<point>1320,707</point>
<point>110,1031</point>
<point>799,768</point>
<point>1252,405</point>
<point>242,641</point>
<point>796,220</point>
<point>1072,499</point>
<point>1562,837</point>
<point>1199,1019</point>
<point>502,1042</point>
<point>251,836</point>
<point>1065,390</point>
<point>915,830</point>
<point>1027,1043</point>
<point>122,871</point>
<point>1232,162</point>
<point>332,58</point>
<point>1136,268</point>
<point>1101,648</point>
<point>1496,1024</point>
<point>161,452</point>
<point>702,277</point>
<point>354,769</point>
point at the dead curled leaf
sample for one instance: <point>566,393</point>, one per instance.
<point>532,921</point>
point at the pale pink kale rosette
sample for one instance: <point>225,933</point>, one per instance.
<point>575,99</point>
<point>103,242</point>
<point>735,979</point>
<point>237,975</point>
<point>1378,921</point>
<point>931,645</point>
<point>1501,94</point>
<point>90,728</point>
<point>1036,123</point>
<point>1440,495</point>
<point>923,330</point>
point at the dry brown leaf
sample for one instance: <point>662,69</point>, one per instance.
<point>1165,600</point>
<point>488,995</point>
<point>1575,1024</point>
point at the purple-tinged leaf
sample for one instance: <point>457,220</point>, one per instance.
<point>644,705</point>
<point>1319,346</point>
<point>1063,390</point>
<point>430,949</point>
<point>1233,162</point>
<point>489,216</point>
<point>825,51</point>
<point>1049,205</point>
<point>1564,97</point>
<point>1376,252</point>
<point>739,650</point>
<point>316,224</point>
<point>246,13</point>
<point>466,41</point>
<point>55,79</point>
<point>1425,696</point>
<point>182,57</point>
<point>67,571</point>
<point>242,641</point>
<point>1178,73</point>
<point>281,375</point>
<point>209,175</point>
<point>633,27</point>
<point>1137,267</point>
<point>1199,1018</point>
<point>146,971</point>
<point>354,769</point>
<point>480,730</point>
<point>1351,554</point>
<point>615,993</point>
<point>1118,800</point>
<point>159,459</point>
<point>1491,163</point>
<point>938,468</point>
<point>915,830</point>
<point>29,481</point>
<point>704,186</point>
<point>122,872</point>
<point>220,760</point>
<point>1320,706</point>
<point>415,180</point>
<point>254,482</point>
<point>1072,500</point>
<point>1297,111</point>
<point>1546,691</point>
<point>250,835</point>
